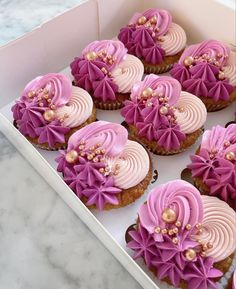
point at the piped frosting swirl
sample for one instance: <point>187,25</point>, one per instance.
<point>161,112</point>
<point>105,69</point>
<point>49,106</point>
<point>98,160</point>
<point>152,35</point>
<point>207,69</point>
<point>218,228</point>
<point>215,162</point>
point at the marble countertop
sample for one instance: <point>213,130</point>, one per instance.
<point>43,244</point>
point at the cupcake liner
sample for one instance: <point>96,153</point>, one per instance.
<point>153,147</point>
<point>149,68</point>
<point>212,105</point>
<point>165,66</point>
<point>59,146</point>
<point>130,195</point>
<point>112,105</point>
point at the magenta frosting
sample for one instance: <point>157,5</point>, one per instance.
<point>145,114</point>
<point>211,165</point>
<point>202,77</point>
<point>142,40</point>
<point>84,176</point>
<point>34,101</point>
<point>94,75</point>
<point>158,249</point>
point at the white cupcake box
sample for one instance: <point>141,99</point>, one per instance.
<point>52,46</point>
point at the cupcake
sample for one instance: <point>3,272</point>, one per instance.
<point>155,39</point>
<point>162,117</point>
<point>50,109</point>
<point>185,239</point>
<point>107,72</point>
<point>103,167</point>
<point>208,70</point>
<point>213,166</point>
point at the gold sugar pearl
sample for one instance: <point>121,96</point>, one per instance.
<point>221,75</point>
<point>31,94</point>
<point>153,20</point>
<point>90,157</point>
<point>171,232</point>
<point>175,230</point>
<point>188,61</point>
<point>227,143</point>
<point>164,231</point>
<point>157,230</point>
<point>209,245</point>
<point>169,215</point>
<point>175,240</point>
<point>71,156</point>
<point>178,224</point>
<point>199,226</point>
<point>91,55</point>
<point>188,227</point>
<point>164,110</point>
<point>49,115</point>
<point>147,92</point>
<point>230,156</point>
<point>142,20</point>
<point>190,254</point>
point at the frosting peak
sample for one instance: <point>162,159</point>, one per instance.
<point>215,162</point>
<point>105,68</point>
<point>161,112</point>
<point>97,161</point>
<point>151,35</point>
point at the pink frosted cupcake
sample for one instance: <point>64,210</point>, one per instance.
<point>185,239</point>
<point>162,117</point>
<point>50,109</point>
<point>103,167</point>
<point>214,165</point>
<point>153,37</point>
<point>107,72</point>
<point>208,70</point>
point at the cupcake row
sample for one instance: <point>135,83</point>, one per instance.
<point>185,234</point>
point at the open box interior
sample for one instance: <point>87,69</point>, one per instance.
<point>51,47</point>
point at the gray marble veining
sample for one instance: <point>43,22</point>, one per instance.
<point>43,244</point>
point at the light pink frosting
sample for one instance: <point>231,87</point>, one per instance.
<point>174,40</point>
<point>126,70</point>
<point>192,114</point>
<point>230,68</point>
<point>215,138</point>
<point>167,85</point>
<point>58,86</point>
<point>133,165</point>
<point>173,37</point>
<point>218,228</point>
<point>129,71</point>
<point>178,195</point>
<point>211,48</point>
<point>114,48</point>
<point>78,109</point>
